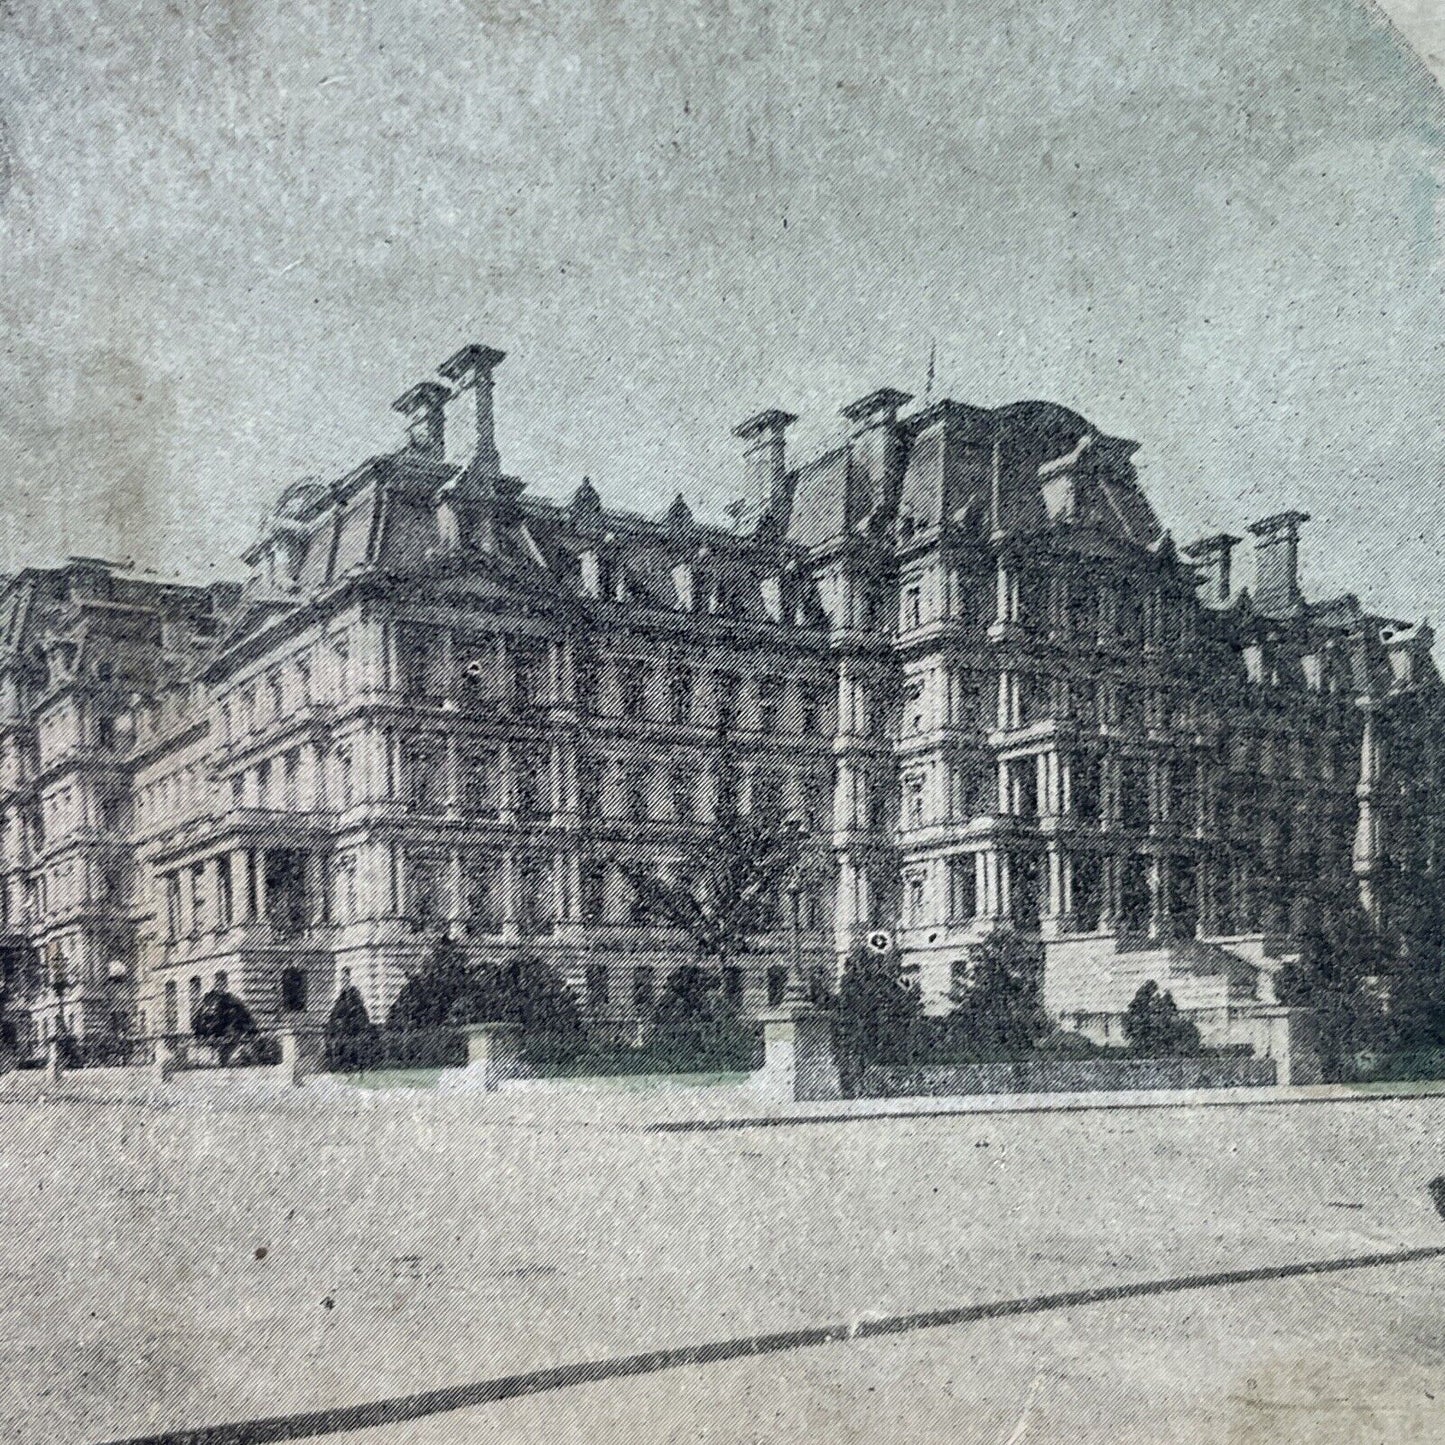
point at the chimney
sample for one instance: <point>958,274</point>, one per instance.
<point>1213,557</point>
<point>424,408</point>
<point>876,450</point>
<point>473,366</point>
<point>765,457</point>
<point>1276,563</point>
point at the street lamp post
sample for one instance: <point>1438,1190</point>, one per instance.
<point>797,991</point>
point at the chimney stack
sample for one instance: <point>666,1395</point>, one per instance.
<point>1213,557</point>
<point>424,408</point>
<point>877,450</point>
<point>473,366</point>
<point>765,458</point>
<point>1276,563</point>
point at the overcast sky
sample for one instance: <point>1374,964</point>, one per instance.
<point>227,242</point>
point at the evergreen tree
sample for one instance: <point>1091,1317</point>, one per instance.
<point>999,1009</point>
<point>529,993</point>
<point>1342,956</point>
<point>1155,1028</point>
<point>351,1041</point>
<point>430,996</point>
<point>878,1013</point>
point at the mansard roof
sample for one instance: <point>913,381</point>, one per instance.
<point>1019,469</point>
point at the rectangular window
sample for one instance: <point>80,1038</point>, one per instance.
<point>483,916</point>
<point>912,608</point>
<point>683,783</point>
<point>295,990</point>
<point>913,708</point>
<point>533,785</point>
<point>594,892</point>
<point>635,678</point>
<point>225,893</point>
<point>728,687</point>
<point>913,897</point>
<point>642,988</point>
<point>1085,778</point>
<point>171,1013</point>
<point>679,691</point>
<point>421,662</point>
<point>636,786</point>
<point>811,811</point>
<point>962,888</point>
<point>529,672</point>
<point>776,981</point>
<point>732,982</point>
<point>913,793</point>
<point>811,708</point>
<point>958,972</point>
<point>726,783</point>
<point>589,787</point>
<point>536,906</point>
<point>422,771</point>
<point>1088,890</point>
<point>584,682</point>
<point>481,773</point>
<point>173,905</point>
<point>599,991</point>
<point>343,776</point>
<point>769,691</point>
<point>1134,894</point>
<point>423,896</point>
<point>1133,795</point>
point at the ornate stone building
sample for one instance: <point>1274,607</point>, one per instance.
<point>959,646</point>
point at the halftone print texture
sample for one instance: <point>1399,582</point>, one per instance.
<point>719,721</point>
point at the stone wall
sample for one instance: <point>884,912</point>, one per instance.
<point>1068,1076</point>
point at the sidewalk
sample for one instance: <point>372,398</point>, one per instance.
<point>943,1106</point>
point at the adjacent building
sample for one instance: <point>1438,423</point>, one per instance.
<point>959,647</point>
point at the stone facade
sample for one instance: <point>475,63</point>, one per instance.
<point>959,647</point>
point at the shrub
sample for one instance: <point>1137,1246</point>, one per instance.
<point>351,1042</point>
<point>440,1048</point>
<point>879,1013</point>
<point>1155,1028</point>
<point>448,993</point>
<point>222,1021</point>
<point>429,997</point>
<point>999,1011</point>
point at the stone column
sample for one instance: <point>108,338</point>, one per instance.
<point>1109,905</point>
<point>509,911</point>
<point>1057,907</point>
<point>456,890</point>
<point>1158,897</point>
<point>1005,884</point>
<point>452,787</point>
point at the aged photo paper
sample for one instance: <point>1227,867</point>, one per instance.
<point>719,721</point>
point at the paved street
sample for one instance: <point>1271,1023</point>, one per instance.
<point>208,1261</point>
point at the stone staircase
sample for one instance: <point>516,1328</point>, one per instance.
<point>1089,981</point>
